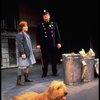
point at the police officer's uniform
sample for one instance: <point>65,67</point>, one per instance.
<point>48,37</point>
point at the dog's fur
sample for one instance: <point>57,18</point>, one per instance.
<point>56,91</point>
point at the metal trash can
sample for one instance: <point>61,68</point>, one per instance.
<point>72,68</point>
<point>96,67</point>
<point>90,61</point>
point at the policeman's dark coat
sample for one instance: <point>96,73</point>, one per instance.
<point>48,35</point>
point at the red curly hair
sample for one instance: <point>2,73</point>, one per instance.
<point>22,24</point>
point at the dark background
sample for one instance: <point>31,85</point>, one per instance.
<point>78,20</point>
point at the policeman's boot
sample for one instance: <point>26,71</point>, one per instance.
<point>26,78</point>
<point>19,81</point>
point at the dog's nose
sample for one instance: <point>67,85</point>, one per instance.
<point>65,93</point>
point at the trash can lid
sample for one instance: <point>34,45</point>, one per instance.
<point>71,55</point>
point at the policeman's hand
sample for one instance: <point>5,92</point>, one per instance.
<point>59,46</point>
<point>38,46</point>
<point>23,56</point>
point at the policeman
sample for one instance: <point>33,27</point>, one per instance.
<point>48,40</point>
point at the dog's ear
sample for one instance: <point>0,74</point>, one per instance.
<point>50,89</point>
<point>53,84</point>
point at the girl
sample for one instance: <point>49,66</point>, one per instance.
<point>26,56</point>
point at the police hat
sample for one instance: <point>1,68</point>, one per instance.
<point>45,12</point>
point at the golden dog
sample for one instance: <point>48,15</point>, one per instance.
<point>56,91</point>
